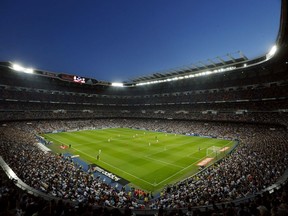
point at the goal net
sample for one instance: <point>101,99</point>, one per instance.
<point>213,151</point>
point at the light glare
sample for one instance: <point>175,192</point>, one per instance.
<point>17,67</point>
<point>117,84</point>
<point>271,53</point>
<point>273,50</point>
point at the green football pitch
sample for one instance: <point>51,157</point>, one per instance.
<point>148,160</point>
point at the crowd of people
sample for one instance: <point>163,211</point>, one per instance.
<point>252,167</point>
<point>229,94</point>
<point>258,161</point>
<point>34,111</point>
<point>248,104</point>
<point>54,174</point>
<point>252,101</point>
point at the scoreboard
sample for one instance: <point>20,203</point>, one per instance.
<point>79,79</point>
<point>72,78</point>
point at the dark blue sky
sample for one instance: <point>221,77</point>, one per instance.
<point>115,40</point>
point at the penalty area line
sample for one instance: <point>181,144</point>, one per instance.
<point>180,171</point>
<point>115,167</point>
<point>203,158</point>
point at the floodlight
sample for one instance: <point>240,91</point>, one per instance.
<point>28,70</point>
<point>17,67</point>
<point>271,53</point>
<point>117,84</point>
<point>273,50</point>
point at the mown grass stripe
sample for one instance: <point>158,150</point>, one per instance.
<point>128,154</point>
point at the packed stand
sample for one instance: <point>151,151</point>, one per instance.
<point>259,160</point>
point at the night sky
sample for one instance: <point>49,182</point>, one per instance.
<point>115,40</point>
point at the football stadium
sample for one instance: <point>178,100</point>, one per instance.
<point>206,140</point>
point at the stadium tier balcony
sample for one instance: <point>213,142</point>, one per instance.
<point>236,176</point>
<point>246,104</point>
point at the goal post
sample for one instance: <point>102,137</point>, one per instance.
<point>213,151</point>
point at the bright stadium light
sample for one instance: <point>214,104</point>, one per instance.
<point>204,73</point>
<point>272,52</point>
<point>17,67</point>
<point>28,70</point>
<point>117,84</point>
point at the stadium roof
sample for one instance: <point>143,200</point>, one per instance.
<point>121,40</point>
<point>210,64</point>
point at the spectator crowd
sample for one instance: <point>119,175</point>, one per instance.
<point>258,161</point>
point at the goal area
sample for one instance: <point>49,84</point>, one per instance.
<point>213,151</point>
